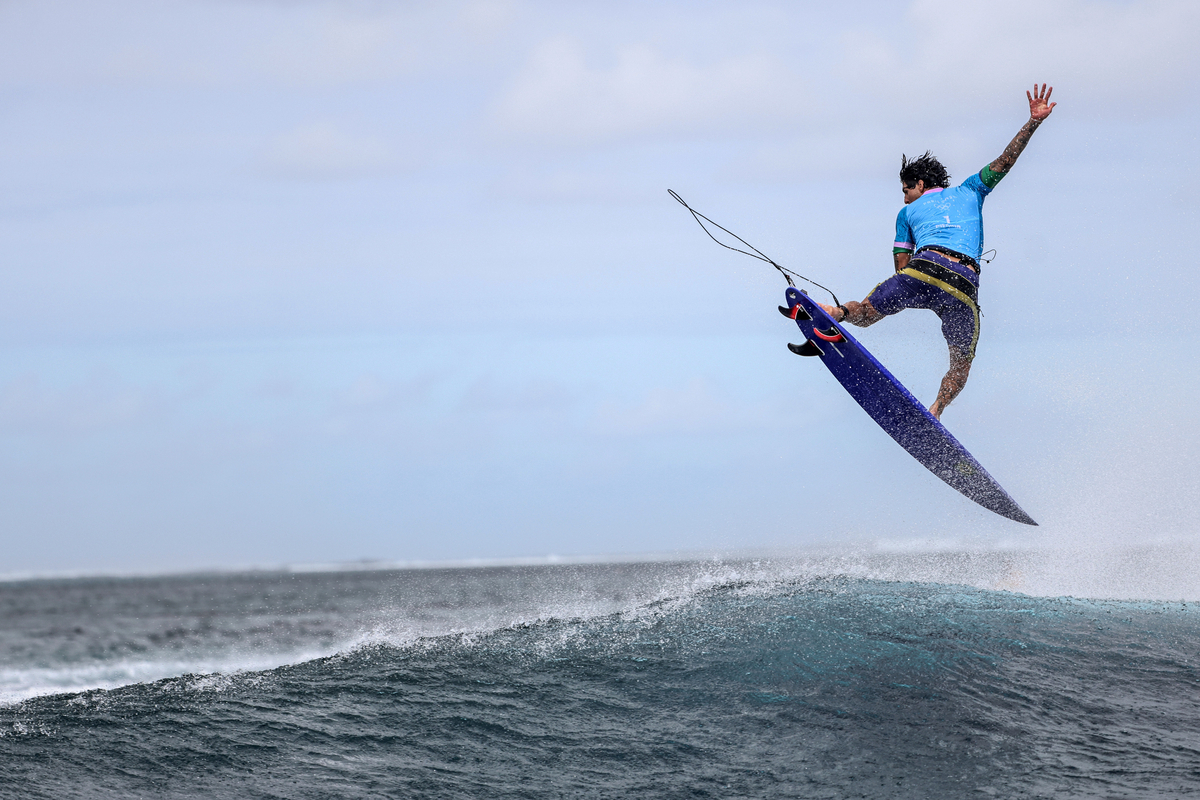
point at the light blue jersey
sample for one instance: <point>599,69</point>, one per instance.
<point>950,218</point>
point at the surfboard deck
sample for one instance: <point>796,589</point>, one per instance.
<point>896,410</point>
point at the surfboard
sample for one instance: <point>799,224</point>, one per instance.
<point>894,408</point>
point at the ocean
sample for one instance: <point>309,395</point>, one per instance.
<point>710,678</point>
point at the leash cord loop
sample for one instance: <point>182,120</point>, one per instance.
<point>760,255</point>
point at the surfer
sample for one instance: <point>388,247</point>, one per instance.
<point>939,240</point>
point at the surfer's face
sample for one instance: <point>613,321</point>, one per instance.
<point>912,192</point>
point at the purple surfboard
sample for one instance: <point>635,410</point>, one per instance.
<point>894,408</point>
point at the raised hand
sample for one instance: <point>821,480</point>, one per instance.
<point>1039,108</point>
<point>1039,103</point>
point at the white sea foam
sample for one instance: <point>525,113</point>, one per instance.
<point>1153,571</point>
<point>22,683</point>
<point>1163,571</point>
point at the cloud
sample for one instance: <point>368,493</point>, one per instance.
<point>487,19</point>
<point>310,45</point>
<point>103,401</point>
<point>328,46</point>
<point>559,94</point>
<point>551,182</point>
<point>954,57</point>
<point>325,151</point>
<point>821,153</point>
<point>951,75</point>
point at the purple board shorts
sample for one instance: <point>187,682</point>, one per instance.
<point>945,287</point>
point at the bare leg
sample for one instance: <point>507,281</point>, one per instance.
<point>953,382</point>
<point>860,314</point>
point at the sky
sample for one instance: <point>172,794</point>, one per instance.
<point>295,282</point>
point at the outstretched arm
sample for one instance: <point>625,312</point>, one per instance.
<point>1039,108</point>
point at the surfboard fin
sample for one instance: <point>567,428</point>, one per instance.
<point>795,312</point>
<point>809,348</point>
<point>830,335</point>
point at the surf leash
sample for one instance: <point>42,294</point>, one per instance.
<point>759,254</point>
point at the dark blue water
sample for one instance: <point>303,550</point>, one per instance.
<point>651,680</point>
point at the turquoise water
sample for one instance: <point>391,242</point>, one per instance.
<point>591,681</point>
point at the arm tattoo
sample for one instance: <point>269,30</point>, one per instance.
<point>1009,157</point>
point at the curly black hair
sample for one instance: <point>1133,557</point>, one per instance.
<point>923,168</point>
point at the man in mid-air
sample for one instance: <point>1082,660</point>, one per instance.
<point>939,240</point>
